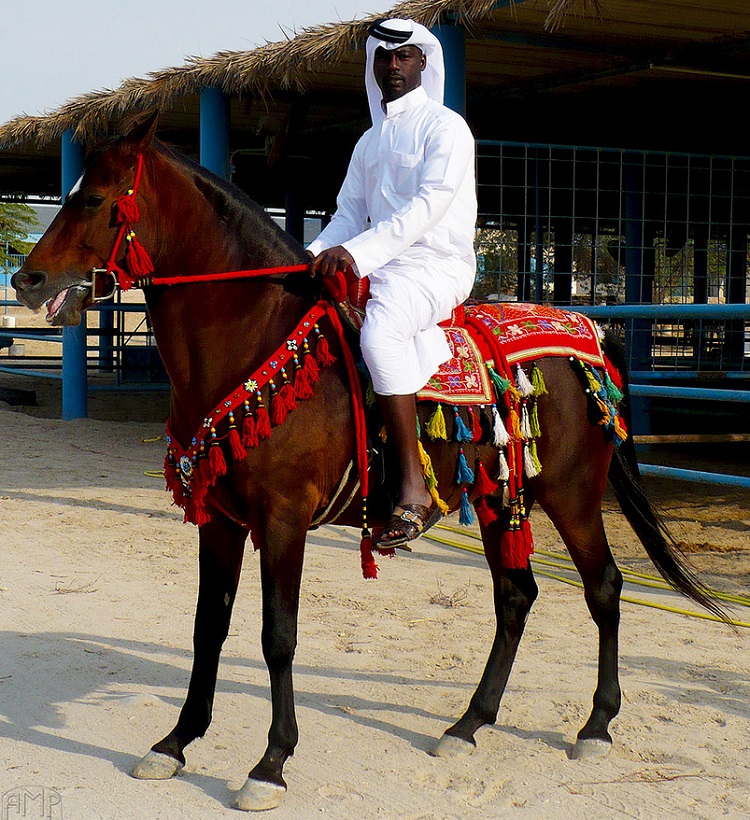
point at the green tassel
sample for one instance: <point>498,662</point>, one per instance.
<point>370,395</point>
<point>534,456</point>
<point>435,425</point>
<point>537,380</point>
<point>613,391</point>
<point>501,384</point>
<point>536,430</point>
<point>419,428</point>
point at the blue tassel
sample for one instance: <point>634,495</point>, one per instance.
<point>462,432</point>
<point>466,515</point>
<point>464,473</point>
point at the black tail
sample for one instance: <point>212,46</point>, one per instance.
<point>648,525</point>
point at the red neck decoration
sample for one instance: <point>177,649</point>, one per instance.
<point>249,420</point>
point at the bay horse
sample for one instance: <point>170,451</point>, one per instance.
<point>210,336</point>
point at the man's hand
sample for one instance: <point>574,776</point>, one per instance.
<point>327,262</point>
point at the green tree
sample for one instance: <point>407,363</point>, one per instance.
<point>16,220</point>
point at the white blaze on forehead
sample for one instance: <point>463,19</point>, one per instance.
<point>76,188</point>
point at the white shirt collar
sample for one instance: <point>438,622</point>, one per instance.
<point>411,100</point>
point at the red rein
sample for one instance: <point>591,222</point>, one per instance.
<point>137,272</point>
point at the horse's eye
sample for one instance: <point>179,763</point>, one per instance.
<point>93,201</point>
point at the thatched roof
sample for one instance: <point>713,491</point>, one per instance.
<point>273,66</point>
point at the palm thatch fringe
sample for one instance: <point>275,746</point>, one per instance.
<point>274,65</point>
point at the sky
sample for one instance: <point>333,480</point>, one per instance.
<point>54,50</point>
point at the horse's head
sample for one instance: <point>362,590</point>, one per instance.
<point>81,238</point>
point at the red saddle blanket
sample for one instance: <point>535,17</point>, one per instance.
<point>522,332</point>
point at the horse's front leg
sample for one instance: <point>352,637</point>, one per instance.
<point>221,549</point>
<point>281,558</point>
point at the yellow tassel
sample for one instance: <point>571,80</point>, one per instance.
<point>431,479</point>
<point>514,424</point>
<point>383,434</point>
<point>435,425</point>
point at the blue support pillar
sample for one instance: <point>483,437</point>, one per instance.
<point>452,39</point>
<point>214,131</point>
<point>638,286</point>
<point>74,384</point>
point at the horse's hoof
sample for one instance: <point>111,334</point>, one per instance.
<point>451,746</point>
<point>156,766</point>
<point>590,748</point>
<point>258,795</point>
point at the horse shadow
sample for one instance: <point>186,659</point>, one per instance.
<point>45,672</point>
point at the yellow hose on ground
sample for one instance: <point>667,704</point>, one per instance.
<point>666,608</point>
<point>654,581</point>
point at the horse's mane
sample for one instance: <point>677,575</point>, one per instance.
<point>246,222</point>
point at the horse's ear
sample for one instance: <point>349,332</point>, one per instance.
<point>141,135</point>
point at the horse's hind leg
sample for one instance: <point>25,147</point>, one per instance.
<point>514,593</point>
<point>221,550</point>
<point>579,522</point>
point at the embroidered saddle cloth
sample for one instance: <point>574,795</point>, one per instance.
<point>523,332</point>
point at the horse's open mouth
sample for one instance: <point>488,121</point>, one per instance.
<point>66,307</point>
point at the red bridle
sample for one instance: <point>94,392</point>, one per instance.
<point>138,268</point>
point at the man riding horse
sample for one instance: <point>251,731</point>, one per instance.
<point>405,219</point>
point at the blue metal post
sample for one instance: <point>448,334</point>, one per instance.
<point>214,131</point>
<point>74,386</point>
<point>453,41</point>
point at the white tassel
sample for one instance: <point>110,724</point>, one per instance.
<point>525,422</point>
<point>528,463</point>
<point>500,435</point>
<point>503,472</point>
<point>525,387</point>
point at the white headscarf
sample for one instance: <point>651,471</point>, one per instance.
<point>392,34</point>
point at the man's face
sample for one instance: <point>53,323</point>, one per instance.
<point>399,71</point>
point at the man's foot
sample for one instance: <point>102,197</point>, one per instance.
<point>408,522</point>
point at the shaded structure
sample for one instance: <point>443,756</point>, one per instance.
<point>611,156</point>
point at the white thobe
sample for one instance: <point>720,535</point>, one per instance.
<point>411,177</point>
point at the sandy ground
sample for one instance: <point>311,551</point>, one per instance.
<point>97,598</point>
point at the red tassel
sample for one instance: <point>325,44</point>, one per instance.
<point>513,552</point>
<point>170,474</point>
<point>528,538</point>
<point>199,485</point>
<point>476,427</point>
<point>239,453</point>
<point>262,422</point>
<point>127,209</point>
<point>302,387</point>
<point>369,567</point>
<point>311,368</point>
<point>124,279</point>
<point>278,410</point>
<point>484,485</point>
<point>196,513</point>
<point>250,432</point>
<point>216,461</point>
<point>485,513</point>
<point>323,352</point>
<point>614,374</point>
<point>287,397</point>
<point>137,258</point>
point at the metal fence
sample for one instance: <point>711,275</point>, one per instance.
<point>577,225</point>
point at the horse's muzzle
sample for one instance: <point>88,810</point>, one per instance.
<point>31,288</point>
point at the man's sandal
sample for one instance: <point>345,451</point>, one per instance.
<point>408,522</point>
